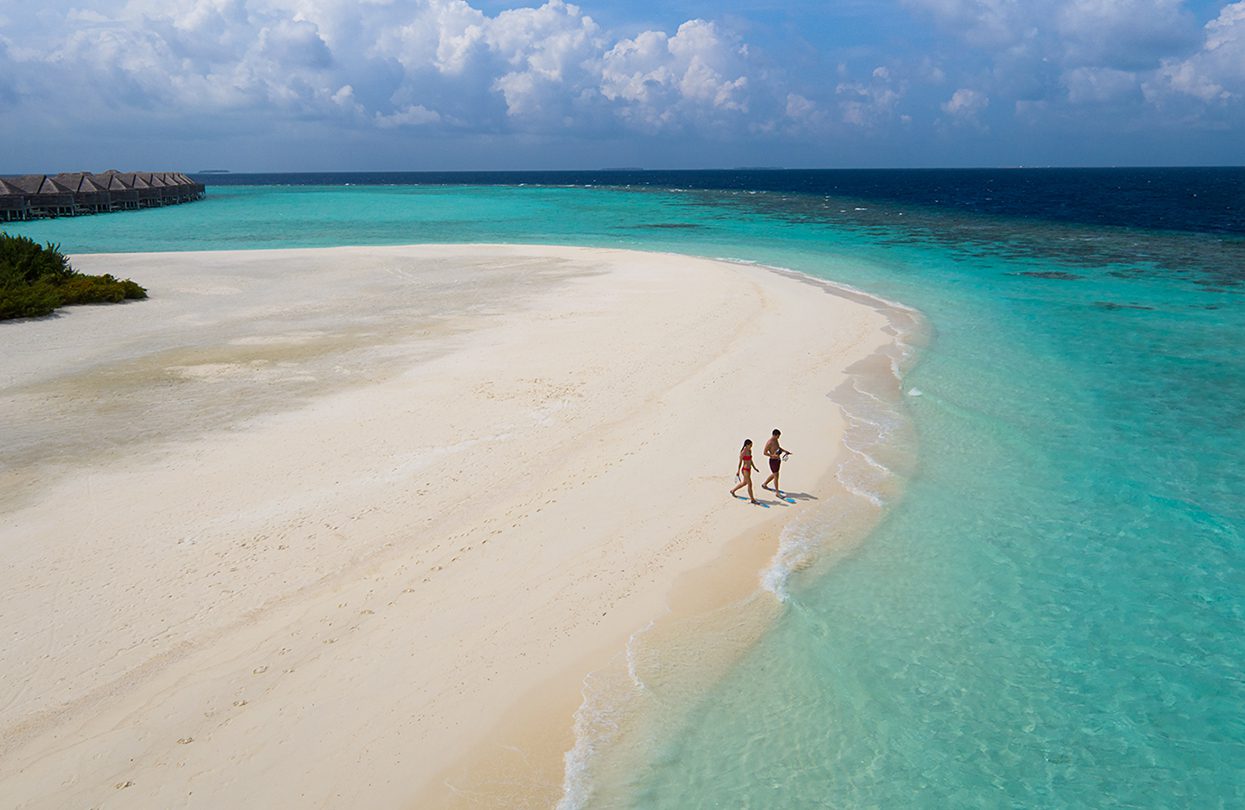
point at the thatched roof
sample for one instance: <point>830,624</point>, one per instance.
<point>81,182</point>
<point>50,186</point>
<point>70,180</point>
<point>73,192</point>
<point>115,181</point>
<point>28,183</point>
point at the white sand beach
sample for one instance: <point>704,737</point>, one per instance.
<point>308,527</point>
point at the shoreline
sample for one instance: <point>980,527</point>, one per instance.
<point>733,598</point>
<point>573,416</point>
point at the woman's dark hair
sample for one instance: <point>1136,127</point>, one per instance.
<point>746,443</point>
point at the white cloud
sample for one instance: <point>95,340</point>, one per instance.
<point>636,70</point>
<point>440,35</point>
<point>548,69</point>
<point>414,115</point>
<point>296,44</point>
<point>383,63</point>
<point>870,102</point>
<point>989,24</point>
<point>801,117</point>
<point>548,51</point>
<point>657,81</point>
<point>965,104</point>
<point>1216,72</point>
<point>799,107</point>
<point>1075,51</point>
<point>1122,34</point>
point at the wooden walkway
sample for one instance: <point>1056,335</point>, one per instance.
<point>70,194</point>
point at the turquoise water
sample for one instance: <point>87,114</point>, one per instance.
<point>1054,613</point>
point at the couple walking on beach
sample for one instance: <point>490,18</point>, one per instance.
<point>776,455</point>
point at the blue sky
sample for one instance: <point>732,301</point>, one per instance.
<point>290,85</point>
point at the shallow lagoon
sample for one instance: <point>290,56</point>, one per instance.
<point>1052,614</point>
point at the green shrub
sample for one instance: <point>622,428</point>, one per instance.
<point>132,290</point>
<point>36,279</point>
<point>28,301</point>
<point>33,261</point>
<point>91,290</point>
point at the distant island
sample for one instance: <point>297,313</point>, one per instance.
<point>212,171</point>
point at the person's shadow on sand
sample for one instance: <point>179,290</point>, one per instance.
<point>786,499</point>
<point>790,497</point>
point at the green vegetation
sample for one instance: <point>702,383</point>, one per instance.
<point>36,279</point>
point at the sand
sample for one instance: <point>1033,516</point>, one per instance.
<point>331,528</point>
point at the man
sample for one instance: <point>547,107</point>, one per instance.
<point>775,453</point>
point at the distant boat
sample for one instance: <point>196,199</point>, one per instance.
<point>622,169</point>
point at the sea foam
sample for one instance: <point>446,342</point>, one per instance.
<point>877,447</point>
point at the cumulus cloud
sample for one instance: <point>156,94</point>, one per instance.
<point>869,102</point>
<point>414,115</point>
<point>965,104</point>
<point>383,71</point>
<point>1122,34</point>
<point>799,107</point>
<point>296,44</point>
<point>427,63</point>
<point>439,35</point>
<point>1109,33</point>
<point>548,52</point>
<point>1074,53</point>
<point>989,24</point>
<point>1216,72</point>
<point>659,81</point>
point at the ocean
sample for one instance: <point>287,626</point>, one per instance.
<point>1051,611</point>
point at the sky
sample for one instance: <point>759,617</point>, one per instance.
<point>411,85</point>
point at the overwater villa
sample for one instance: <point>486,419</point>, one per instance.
<point>72,193</point>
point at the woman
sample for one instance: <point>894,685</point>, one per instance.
<point>745,469</point>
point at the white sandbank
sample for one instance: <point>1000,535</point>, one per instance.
<point>301,529</point>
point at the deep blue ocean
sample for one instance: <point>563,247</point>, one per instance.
<point>1053,613</point>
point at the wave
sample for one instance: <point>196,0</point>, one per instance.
<point>876,428</point>
<point>797,548</point>
<point>593,728</point>
<point>632,666</point>
<point>875,461</point>
<point>598,722</point>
